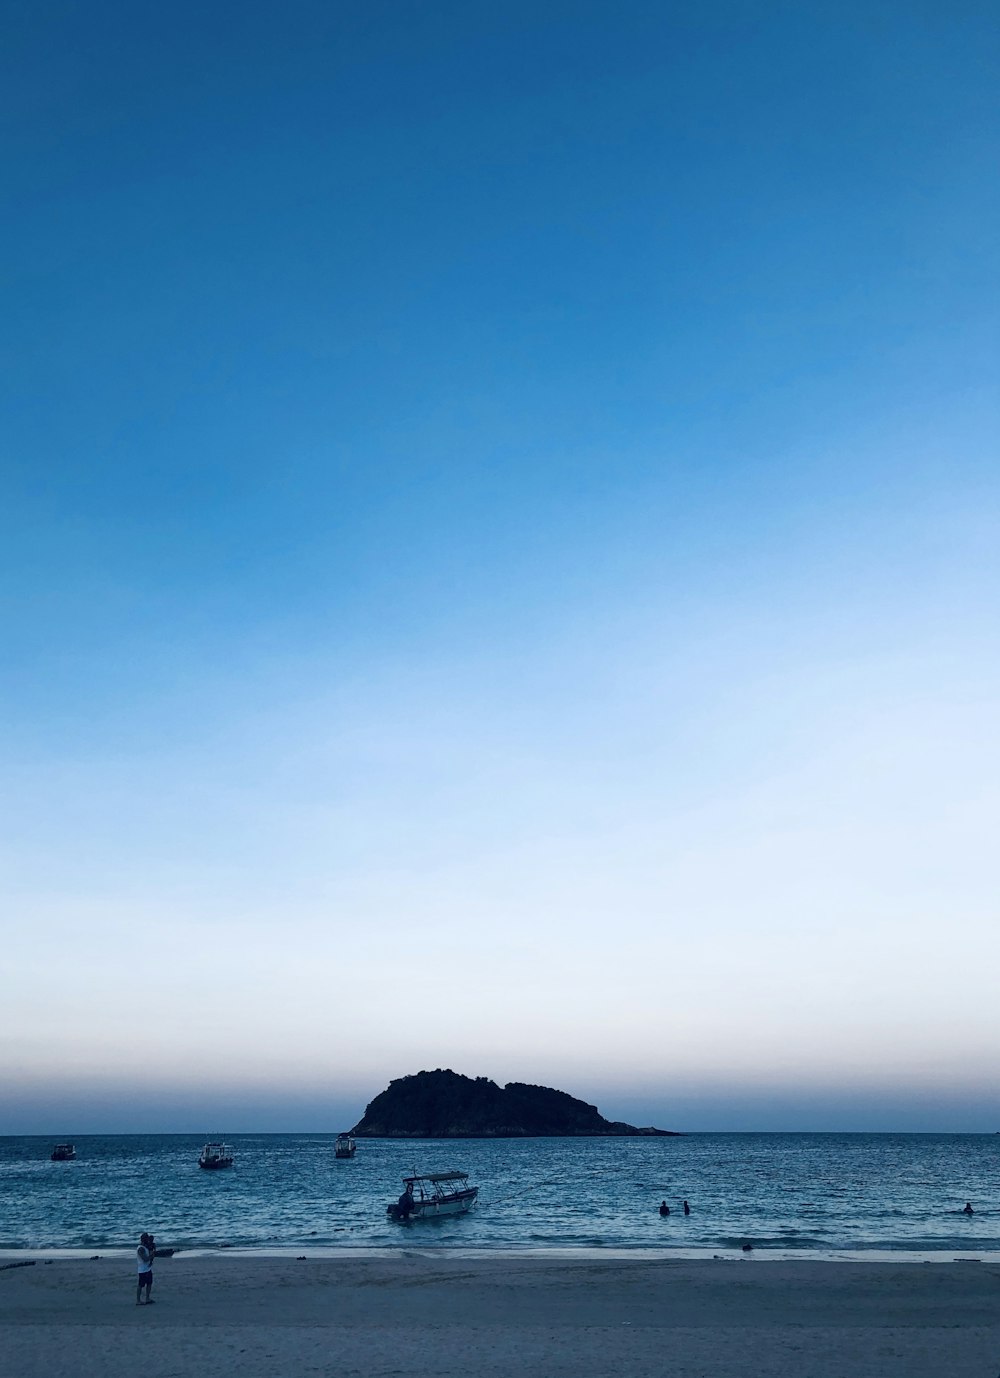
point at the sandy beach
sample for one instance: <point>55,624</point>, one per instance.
<point>420,1314</point>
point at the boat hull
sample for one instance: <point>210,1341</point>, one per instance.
<point>216,1165</point>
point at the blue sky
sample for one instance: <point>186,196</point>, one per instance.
<point>499,561</point>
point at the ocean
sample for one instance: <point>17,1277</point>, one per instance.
<point>824,1195</point>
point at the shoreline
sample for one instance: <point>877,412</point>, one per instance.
<point>568,1253</point>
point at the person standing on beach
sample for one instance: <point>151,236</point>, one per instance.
<point>145,1254</point>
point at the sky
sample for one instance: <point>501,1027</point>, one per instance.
<point>499,561</point>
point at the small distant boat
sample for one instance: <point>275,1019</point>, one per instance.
<point>63,1153</point>
<point>215,1156</point>
<point>435,1193</point>
<point>345,1147</point>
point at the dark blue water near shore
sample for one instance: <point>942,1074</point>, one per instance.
<point>802,1192</point>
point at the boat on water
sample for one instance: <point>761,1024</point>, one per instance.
<point>215,1155</point>
<point>433,1194</point>
<point>63,1153</point>
<point>345,1147</point>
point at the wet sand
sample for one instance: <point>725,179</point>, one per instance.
<point>422,1314</point>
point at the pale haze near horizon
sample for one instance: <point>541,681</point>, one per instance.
<point>500,564</point>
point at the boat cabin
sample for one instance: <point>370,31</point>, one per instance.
<point>345,1147</point>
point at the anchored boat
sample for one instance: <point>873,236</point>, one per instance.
<point>63,1153</point>
<point>345,1147</point>
<point>216,1156</point>
<point>435,1193</point>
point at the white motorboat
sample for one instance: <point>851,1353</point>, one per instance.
<point>345,1147</point>
<point>433,1194</point>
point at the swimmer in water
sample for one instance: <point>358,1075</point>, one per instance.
<point>687,1209</point>
<point>664,1208</point>
<point>967,1209</point>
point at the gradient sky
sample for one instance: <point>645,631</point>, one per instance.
<point>500,562</point>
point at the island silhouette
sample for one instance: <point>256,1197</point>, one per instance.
<point>446,1105</point>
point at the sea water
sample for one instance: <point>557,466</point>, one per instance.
<point>809,1194</point>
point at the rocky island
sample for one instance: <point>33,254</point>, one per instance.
<point>446,1105</point>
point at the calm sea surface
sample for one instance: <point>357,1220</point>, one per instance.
<point>820,1193</point>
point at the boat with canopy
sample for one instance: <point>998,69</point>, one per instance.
<point>215,1155</point>
<point>432,1194</point>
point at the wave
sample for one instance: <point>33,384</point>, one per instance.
<point>779,1241</point>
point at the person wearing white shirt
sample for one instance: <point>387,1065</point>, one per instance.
<point>145,1254</point>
